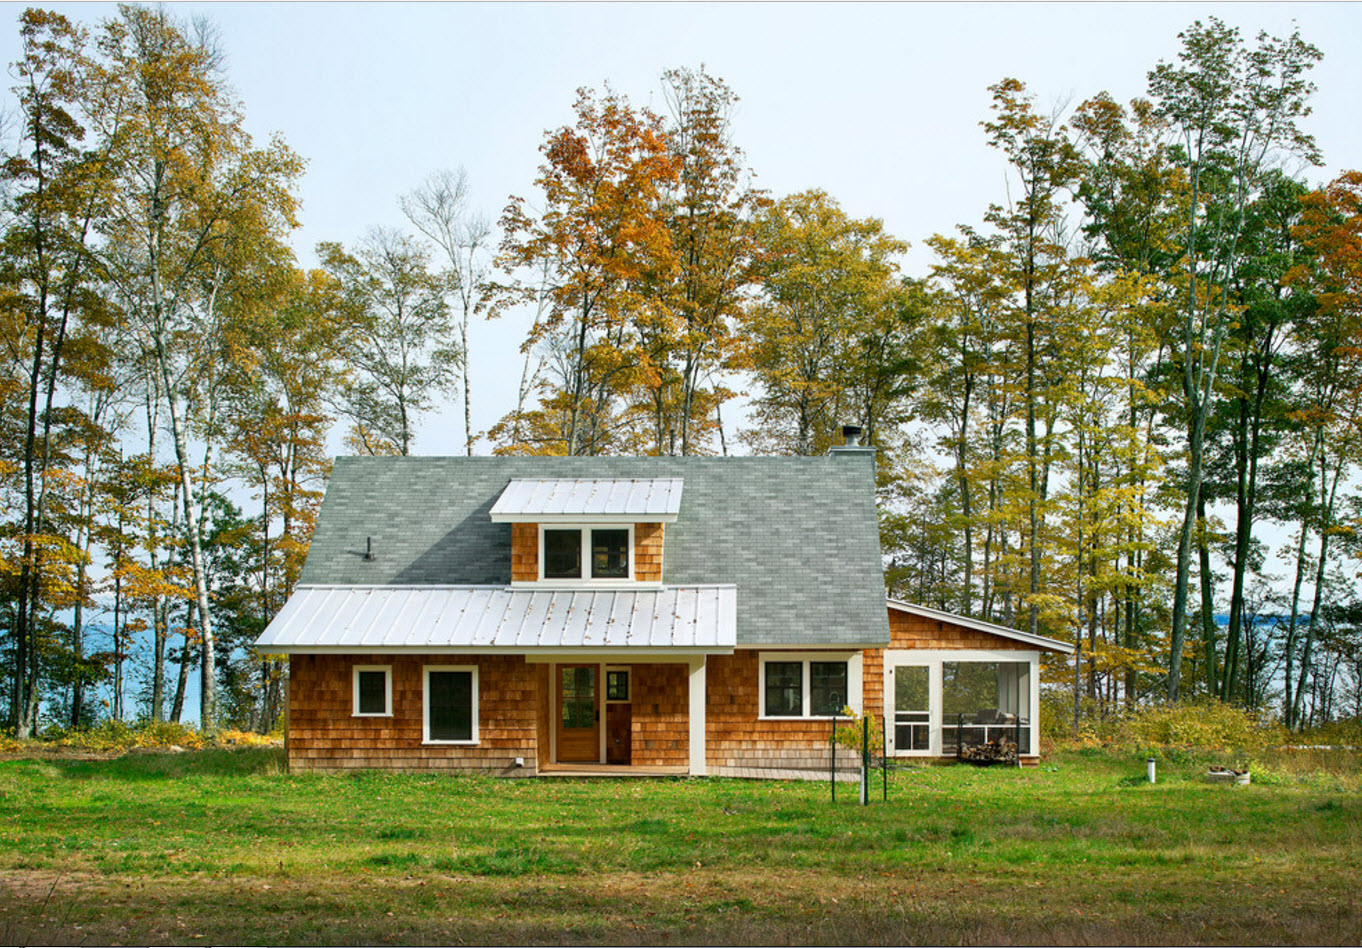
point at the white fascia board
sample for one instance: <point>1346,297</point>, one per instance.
<point>806,646</point>
<point>532,654</point>
<point>925,612</point>
<point>592,519</point>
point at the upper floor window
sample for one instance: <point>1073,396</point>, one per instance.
<point>586,552</point>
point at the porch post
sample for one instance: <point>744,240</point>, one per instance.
<point>697,716</point>
<point>1033,685</point>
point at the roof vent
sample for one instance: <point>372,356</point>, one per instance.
<point>368,548</point>
<point>851,435</point>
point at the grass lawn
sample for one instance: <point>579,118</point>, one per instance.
<point>222,846</point>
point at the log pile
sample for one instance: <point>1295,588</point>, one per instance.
<point>999,751</point>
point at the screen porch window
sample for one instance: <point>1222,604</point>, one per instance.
<point>981,701</point>
<point>912,707</point>
<point>451,700</point>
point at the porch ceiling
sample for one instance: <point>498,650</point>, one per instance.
<point>412,618</point>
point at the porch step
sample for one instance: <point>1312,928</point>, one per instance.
<point>610,770</point>
<point>785,773</point>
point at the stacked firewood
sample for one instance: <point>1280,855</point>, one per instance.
<point>1001,750</point>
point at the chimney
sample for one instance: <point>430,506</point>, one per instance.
<point>851,442</point>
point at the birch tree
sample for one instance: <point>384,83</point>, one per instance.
<point>188,179</point>
<point>1234,110</point>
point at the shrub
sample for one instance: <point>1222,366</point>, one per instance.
<point>114,736</point>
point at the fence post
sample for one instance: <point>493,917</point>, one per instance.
<point>884,754</point>
<point>865,760</point>
<point>832,745</point>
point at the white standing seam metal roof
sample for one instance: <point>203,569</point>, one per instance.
<point>497,618</point>
<point>655,498</point>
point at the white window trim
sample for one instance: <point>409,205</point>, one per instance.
<point>387,711</point>
<point>425,704</point>
<point>933,659</point>
<point>586,529</point>
<point>854,690</point>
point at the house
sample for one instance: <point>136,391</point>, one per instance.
<point>527,615</point>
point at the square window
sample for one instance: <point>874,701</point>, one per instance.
<point>617,686</point>
<point>609,554</point>
<point>562,554</point>
<point>827,688</point>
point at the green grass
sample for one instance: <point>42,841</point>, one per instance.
<point>160,848</point>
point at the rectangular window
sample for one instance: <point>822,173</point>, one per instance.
<point>562,554</point>
<point>609,554</point>
<point>784,689</point>
<point>373,692</point>
<point>451,695</point>
<point>827,688</point>
<point>617,686</point>
<point>808,685</point>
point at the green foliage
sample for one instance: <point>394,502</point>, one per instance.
<point>852,733</point>
<point>114,736</point>
<point>1205,725</point>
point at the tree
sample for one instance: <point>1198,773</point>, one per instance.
<point>391,331</point>
<point>829,284</point>
<point>598,242</point>
<point>1044,162</point>
<point>1233,109</point>
<point>439,210</point>
<point>708,211</point>
<point>55,187</point>
<point>189,186</point>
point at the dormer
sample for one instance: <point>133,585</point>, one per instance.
<point>601,533</point>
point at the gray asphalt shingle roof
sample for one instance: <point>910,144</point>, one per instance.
<point>798,536</point>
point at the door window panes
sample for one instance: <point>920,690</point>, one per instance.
<point>579,696</point>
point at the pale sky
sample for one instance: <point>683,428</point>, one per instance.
<point>878,104</point>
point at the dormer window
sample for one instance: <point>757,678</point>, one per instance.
<point>586,552</point>
<point>592,532</point>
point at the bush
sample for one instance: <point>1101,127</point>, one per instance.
<point>1346,733</point>
<point>114,736</point>
<point>1205,724</point>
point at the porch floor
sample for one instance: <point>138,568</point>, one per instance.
<point>610,770</point>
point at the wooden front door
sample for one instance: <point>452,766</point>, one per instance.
<point>619,717</point>
<point>579,713</point>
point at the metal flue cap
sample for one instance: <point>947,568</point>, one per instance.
<point>851,435</point>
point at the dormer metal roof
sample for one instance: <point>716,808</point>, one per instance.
<point>559,500</point>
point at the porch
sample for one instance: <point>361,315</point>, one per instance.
<point>616,717</point>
